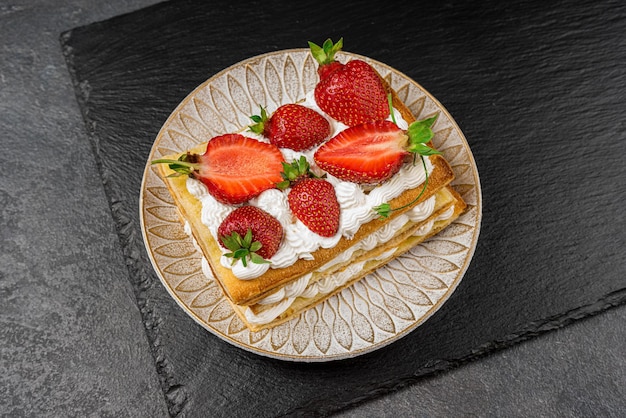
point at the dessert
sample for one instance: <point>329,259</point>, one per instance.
<point>342,213</point>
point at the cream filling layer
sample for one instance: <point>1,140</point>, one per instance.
<point>299,242</point>
<point>285,297</point>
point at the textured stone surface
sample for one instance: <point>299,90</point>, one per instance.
<point>72,342</point>
<point>577,371</point>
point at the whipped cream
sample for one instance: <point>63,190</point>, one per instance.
<point>298,241</point>
<point>302,288</point>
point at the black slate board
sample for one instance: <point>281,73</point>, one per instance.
<point>537,88</point>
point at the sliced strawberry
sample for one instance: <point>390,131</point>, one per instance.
<point>234,168</point>
<point>368,153</point>
<point>250,233</point>
<point>314,202</point>
<point>351,93</point>
<point>292,126</point>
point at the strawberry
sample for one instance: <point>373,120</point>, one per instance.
<point>234,168</point>
<point>372,152</point>
<point>250,233</point>
<point>351,93</point>
<point>292,126</point>
<point>312,200</point>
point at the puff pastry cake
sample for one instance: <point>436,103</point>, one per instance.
<point>337,189</point>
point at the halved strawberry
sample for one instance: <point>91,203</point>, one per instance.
<point>250,233</point>
<point>292,126</point>
<point>234,168</point>
<point>351,93</point>
<point>372,152</point>
<point>367,153</point>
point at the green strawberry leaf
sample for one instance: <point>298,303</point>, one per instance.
<point>259,121</point>
<point>384,210</point>
<point>420,131</point>
<point>243,248</point>
<point>257,259</point>
<point>180,166</point>
<point>325,54</point>
<point>255,246</point>
<point>293,172</point>
<point>422,149</point>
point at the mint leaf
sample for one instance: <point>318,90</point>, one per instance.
<point>422,149</point>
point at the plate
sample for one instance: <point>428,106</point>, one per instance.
<point>378,310</point>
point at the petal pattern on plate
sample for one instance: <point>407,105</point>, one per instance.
<point>162,194</point>
<point>194,283</point>
<point>210,118</point>
<point>414,295</point>
<point>291,81</point>
<point>164,213</point>
<point>301,334</point>
<point>273,82</point>
<point>169,232</point>
<point>240,97</point>
<point>444,247</point>
<point>182,267</point>
<point>341,330</point>
<point>236,326</point>
<point>180,141</point>
<point>226,110</point>
<point>195,128</point>
<point>322,335</point>
<point>221,311</point>
<point>279,335</point>
<point>258,336</point>
<point>309,74</point>
<point>177,249</point>
<point>207,298</point>
<point>256,88</point>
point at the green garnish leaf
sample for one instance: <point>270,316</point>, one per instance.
<point>390,104</point>
<point>259,121</point>
<point>180,166</point>
<point>282,185</point>
<point>243,248</point>
<point>325,54</point>
<point>422,149</point>
<point>257,259</point>
<point>291,173</point>
<point>247,239</point>
<point>383,210</point>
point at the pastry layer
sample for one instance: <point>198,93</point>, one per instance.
<point>326,283</point>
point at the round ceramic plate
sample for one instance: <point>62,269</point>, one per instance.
<point>372,313</point>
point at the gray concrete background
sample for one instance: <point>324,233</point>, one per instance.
<point>71,338</point>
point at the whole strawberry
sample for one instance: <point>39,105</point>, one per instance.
<point>292,126</point>
<point>312,200</point>
<point>234,168</point>
<point>250,233</point>
<point>351,93</point>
